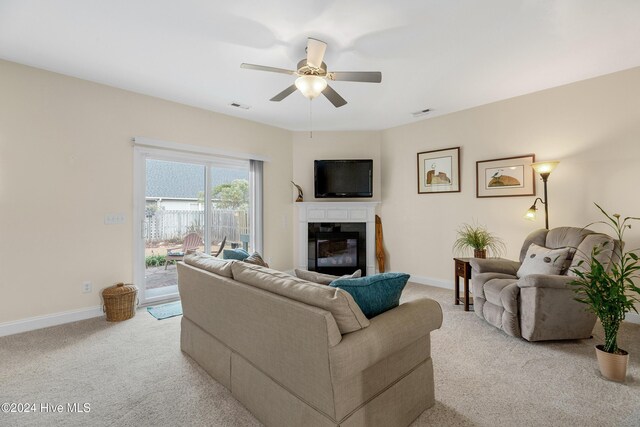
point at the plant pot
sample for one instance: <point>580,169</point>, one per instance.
<point>479,253</point>
<point>612,366</point>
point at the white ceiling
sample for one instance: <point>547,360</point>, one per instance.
<point>446,55</point>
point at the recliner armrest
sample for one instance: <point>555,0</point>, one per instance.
<point>545,281</point>
<point>494,265</point>
<point>388,333</point>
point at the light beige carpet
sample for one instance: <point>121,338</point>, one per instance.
<point>134,374</point>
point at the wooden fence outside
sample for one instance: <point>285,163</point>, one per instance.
<point>175,224</point>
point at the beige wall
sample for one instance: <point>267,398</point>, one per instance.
<point>592,127</point>
<point>66,160</point>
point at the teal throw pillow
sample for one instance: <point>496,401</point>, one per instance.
<point>238,253</point>
<point>374,294</point>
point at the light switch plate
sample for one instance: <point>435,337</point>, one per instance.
<point>114,218</point>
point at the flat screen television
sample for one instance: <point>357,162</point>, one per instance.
<point>343,178</point>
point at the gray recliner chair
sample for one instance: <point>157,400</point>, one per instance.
<point>538,307</point>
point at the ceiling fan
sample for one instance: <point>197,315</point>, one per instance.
<point>313,75</point>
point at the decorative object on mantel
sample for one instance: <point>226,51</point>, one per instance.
<point>379,246</point>
<point>439,171</point>
<point>609,291</point>
<point>544,169</point>
<point>478,238</point>
<point>300,197</point>
<point>506,177</point>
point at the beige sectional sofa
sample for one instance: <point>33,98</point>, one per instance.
<point>297,353</point>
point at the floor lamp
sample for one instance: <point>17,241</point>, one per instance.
<point>544,169</point>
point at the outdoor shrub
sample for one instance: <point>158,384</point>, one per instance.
<point>155,260</point>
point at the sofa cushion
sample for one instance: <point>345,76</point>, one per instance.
<point>209,263</point>
<point>582,260</point>
<point>540,260</point>
<point>323,279</point>
<point>340,303</point>
<point>238,253</point>
<point>500,292</point>
<point>374,294</point>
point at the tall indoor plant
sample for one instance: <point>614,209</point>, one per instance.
<point>610,292</point>
<point>478,238</point>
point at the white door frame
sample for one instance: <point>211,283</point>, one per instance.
<point>140,155</point>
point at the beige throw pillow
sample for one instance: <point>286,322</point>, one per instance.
<point>540,260</point>
<point>256,258</point>
<point>324,279</point>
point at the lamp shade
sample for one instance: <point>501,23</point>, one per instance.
<point>531,214</point>
<point>545,167</point>
<point>311,86</point>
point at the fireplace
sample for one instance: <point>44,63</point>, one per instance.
<point>342,218</point>
<point>337,248</point>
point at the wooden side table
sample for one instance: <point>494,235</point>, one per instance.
<point>462,270</point>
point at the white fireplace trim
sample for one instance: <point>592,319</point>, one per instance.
<point>363,212</point>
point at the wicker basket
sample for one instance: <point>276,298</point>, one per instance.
<point>119,302</point>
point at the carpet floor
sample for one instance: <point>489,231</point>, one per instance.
<point>133,374</point>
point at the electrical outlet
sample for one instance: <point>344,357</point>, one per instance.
<point>86,287</point>
<point>114,218</point>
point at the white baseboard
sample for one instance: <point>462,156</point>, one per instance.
<point>39,322</point>
<point>438,283</point>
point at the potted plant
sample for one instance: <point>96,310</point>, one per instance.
<point>609,291</point>
<point>478,238</point>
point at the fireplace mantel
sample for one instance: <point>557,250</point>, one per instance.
<point>313,212</point>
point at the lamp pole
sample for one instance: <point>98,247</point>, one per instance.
<point>544,169</point>
<point>544,177</point>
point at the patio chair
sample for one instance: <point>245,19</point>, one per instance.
<point>191,241</point>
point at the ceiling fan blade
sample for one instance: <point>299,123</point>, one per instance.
<point>356,76</point>
<point>333,97</point>
<point>315,52</point>
<point>282,95</point>
<point>264,68</point>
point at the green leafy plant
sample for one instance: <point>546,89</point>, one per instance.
<point>609,291</point>
<point>477,237</point>
<point>155,260</point>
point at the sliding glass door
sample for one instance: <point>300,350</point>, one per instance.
<point>174,220</point>
<point>187,202</point>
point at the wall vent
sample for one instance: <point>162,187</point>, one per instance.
<point>421,112</point>
<point>238,105</point>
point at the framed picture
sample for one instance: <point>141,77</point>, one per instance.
<point>508,177</point>
<point>439,171</point>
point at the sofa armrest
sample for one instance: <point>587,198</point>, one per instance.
<point>494,265</point>
<point>545,281</point>
<point>387,333</point>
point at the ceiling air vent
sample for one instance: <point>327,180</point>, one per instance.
<point>421,112</point>
<point>238,105</point>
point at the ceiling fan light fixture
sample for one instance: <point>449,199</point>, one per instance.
<point>311,86</point>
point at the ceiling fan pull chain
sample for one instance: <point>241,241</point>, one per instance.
<point>310,121</point>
